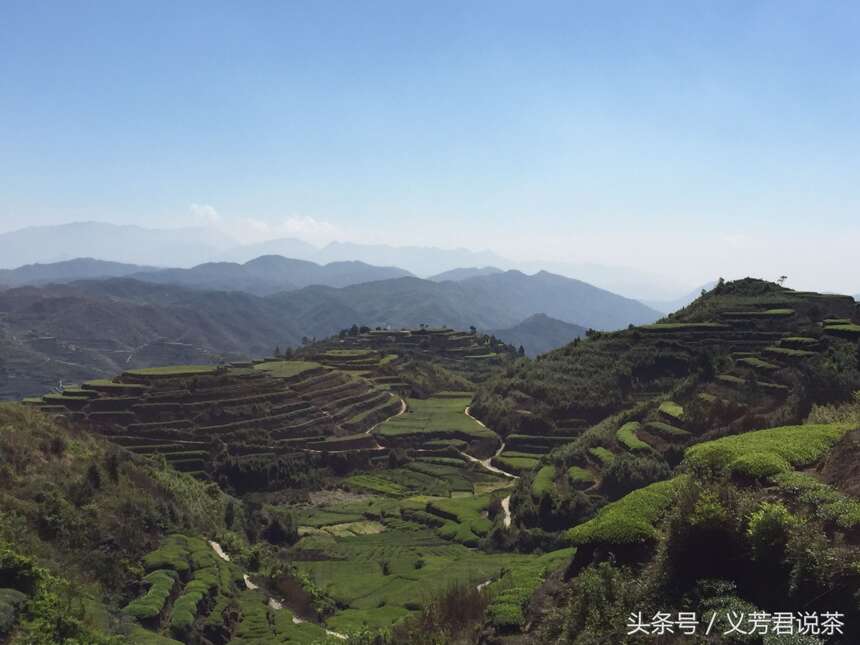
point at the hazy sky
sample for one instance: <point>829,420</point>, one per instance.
<point>693,139</point>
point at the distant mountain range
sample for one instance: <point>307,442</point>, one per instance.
<point>262,276</point>
<point>98,327</point>
<point>187,247</point>
<point>69,271</point>
<point>458,275</point>
<point>539,334</point>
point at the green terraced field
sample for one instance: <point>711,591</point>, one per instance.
<point>432,419</point>
<point>510,594</point>
<point>602,455</point>
<point>686,326</point>
<point>515,464</point>
<point>626,435</point>
<point>767,452</point>
<point>579,477</point>
<point>629,520</point>
<point>379,579</point>
<point>757,363</point>
<point>665,430</point>
<point>671,410</point>
<point>847,329</point>
<point>286,369</point>
<point>174,370</point>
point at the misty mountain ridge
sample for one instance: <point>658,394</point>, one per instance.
<point>188,247</point>
<point>270,274</point>
<point>98,327</point>
<point>456,275</point>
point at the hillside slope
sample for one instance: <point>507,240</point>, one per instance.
<point>539,334</point>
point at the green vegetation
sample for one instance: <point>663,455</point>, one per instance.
<point>766,450</point>
<point>671,410</point>
<point>515,464</point>
<point>174,370</point>
<point>286,369</point>
<point>161,583</point>
<point>665,430</point>
<point>767,313</point>
<point>511,592</point>
<point>684,326</point>
<point>627,436</point>
<point>433,419</point>
<point>848,329</point>
<point>386,536</point>
<point>822,500</point>
<point>603,455</point>
<point>544,481</point>
<point>629,520</point>
<point>757,363</point>
<point>579,476</point>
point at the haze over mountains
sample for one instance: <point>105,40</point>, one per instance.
<point>187,247</point>
<point>97,327</point>
<point>539,334</point>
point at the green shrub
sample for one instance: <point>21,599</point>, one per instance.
<point>768,529</point>
<point>797,445</point>
<point>544,481</point>
<point>629,520</point>
<point>759,465</point>
<point>629,472</point>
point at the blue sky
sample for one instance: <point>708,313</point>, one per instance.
<point>719,137</point>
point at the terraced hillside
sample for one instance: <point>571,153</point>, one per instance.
<point>192,414</point>
<point>414,360</point>
<point>378,496</point>
<point>612,433</point>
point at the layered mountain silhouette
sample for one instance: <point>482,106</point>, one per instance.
<point>539,334</point>
<point>190,246</point>
<point>93,327</point>
<point>457,275</point>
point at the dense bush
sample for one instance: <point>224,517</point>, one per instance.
<point>628,472</point>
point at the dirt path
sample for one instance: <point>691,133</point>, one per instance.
<point>273,603</point>
<point>488,465</point>
<point>403,409</point>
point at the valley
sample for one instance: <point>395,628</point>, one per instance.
<point>386,485</point>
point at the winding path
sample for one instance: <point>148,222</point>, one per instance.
<point>273,603</point>
<point>488,465</point>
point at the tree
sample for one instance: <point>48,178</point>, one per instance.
<point>473,329</point>
<point>278,351</point>
<point>521,351</point>
<point>781,280</point>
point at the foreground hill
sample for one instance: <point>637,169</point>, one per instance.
<point>693,463</point>
<point>539,334</point>
<point>100,327</point>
